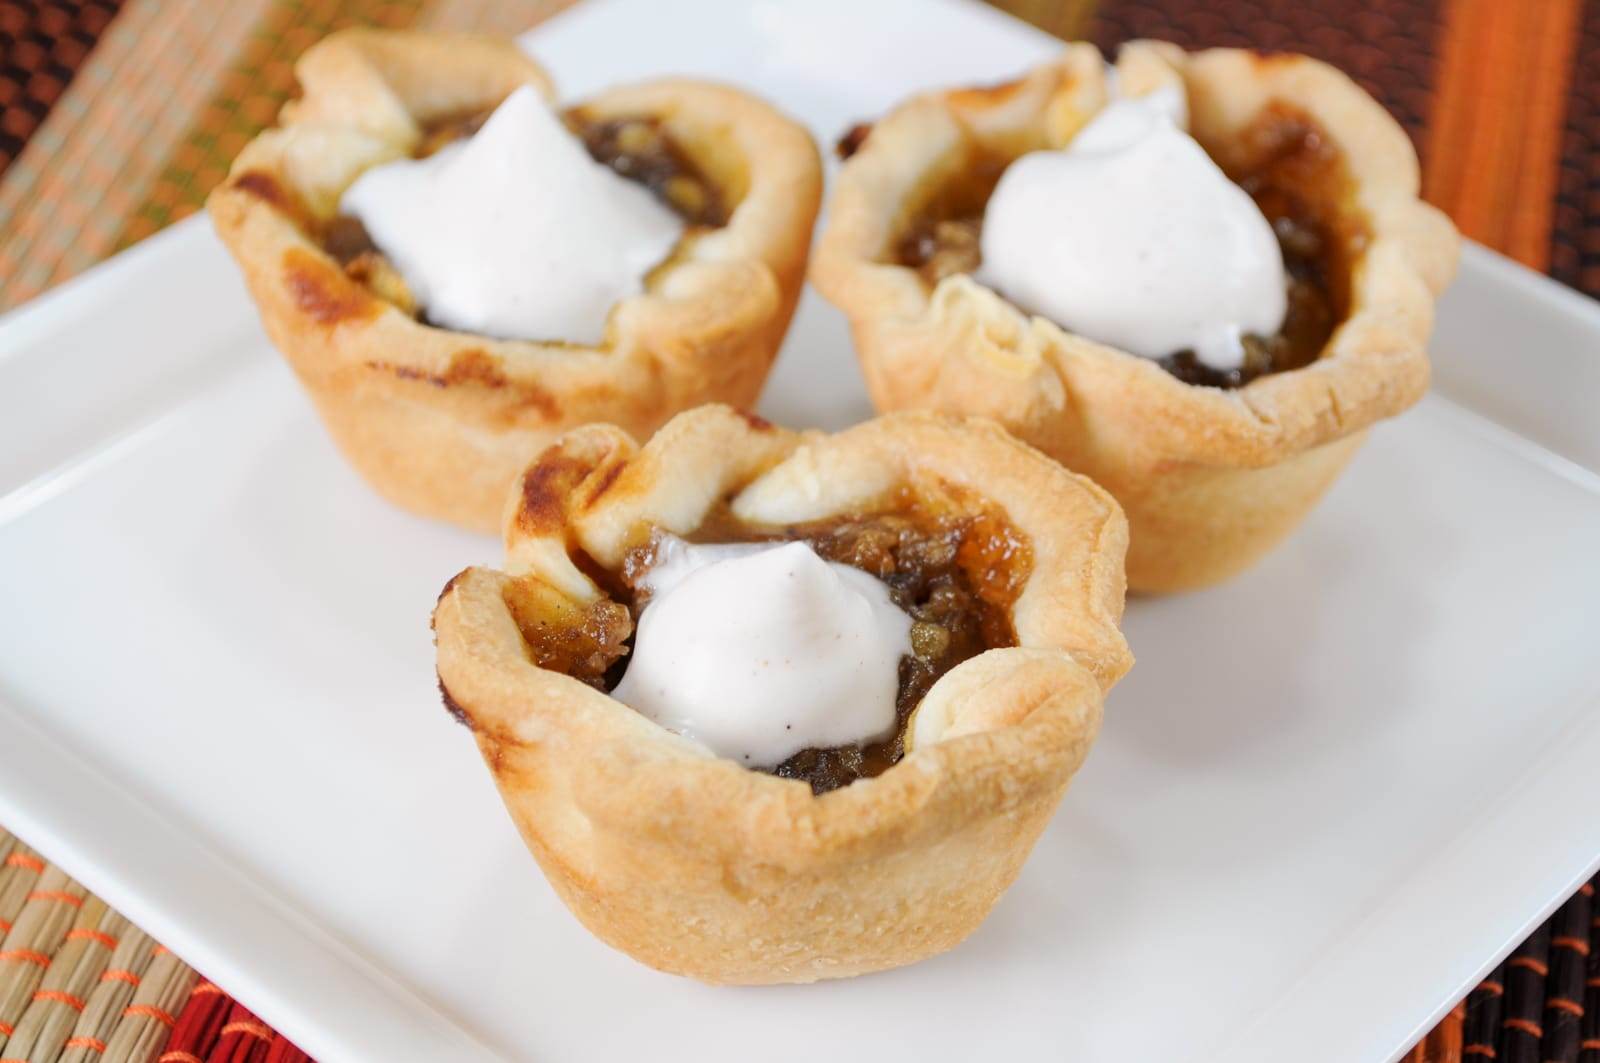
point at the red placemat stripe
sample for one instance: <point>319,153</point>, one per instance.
<point>200,1024</point>
<point>244,1039</point>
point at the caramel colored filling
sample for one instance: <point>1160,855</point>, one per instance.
<point>637,148</point>
<point>955,569</point>
<point>1298,181</point>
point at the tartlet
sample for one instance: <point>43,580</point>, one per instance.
<point>699,865</point>
<point>441,421</point>
<point>1210,477</point>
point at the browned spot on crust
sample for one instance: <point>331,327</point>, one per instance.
<point>734,884</point>
<point>603,482</point>
<point>474,366</point>
<point>406,372</point>
<point>1267,60</point>
<point>452,706</point>
<point>852,140</point>
<point>477,367</point>
<point>492,744</point>
<point>537,398</point>
<point>545,489</point>
<point>755,421</point>
<point>541,401</point>
<point>411,372</point>
<point>264,187</point>
<point>986,95</point>
<point>323,293</point>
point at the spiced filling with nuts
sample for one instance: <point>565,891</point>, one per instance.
<point>1298,181</point>
<point>956,571</point>
<point>638,148</point>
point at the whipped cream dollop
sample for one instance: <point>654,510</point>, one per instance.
<point>515,232</point>
<point>1134,237</point>
<point>760,650</point>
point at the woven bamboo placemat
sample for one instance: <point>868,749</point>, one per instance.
<point>79,983</point>
<point>118,116</point>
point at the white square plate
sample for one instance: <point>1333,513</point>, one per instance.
<point>1341,786</point>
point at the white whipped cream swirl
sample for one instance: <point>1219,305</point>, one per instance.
<point>515,232</point>
<point>760,650</point>
<point>1134,237</point>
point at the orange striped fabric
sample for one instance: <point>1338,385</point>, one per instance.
<point>1494,140</point>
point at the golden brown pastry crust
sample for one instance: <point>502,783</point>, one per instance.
<point>1210,479</point>
<point>441,422</point>
<point>698,866</point>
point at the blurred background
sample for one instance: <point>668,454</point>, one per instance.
<point>118,116</point>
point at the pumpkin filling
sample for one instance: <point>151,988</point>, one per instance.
<point>638,148</point>
<point>955,572</point>
<point>1296,178</point>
